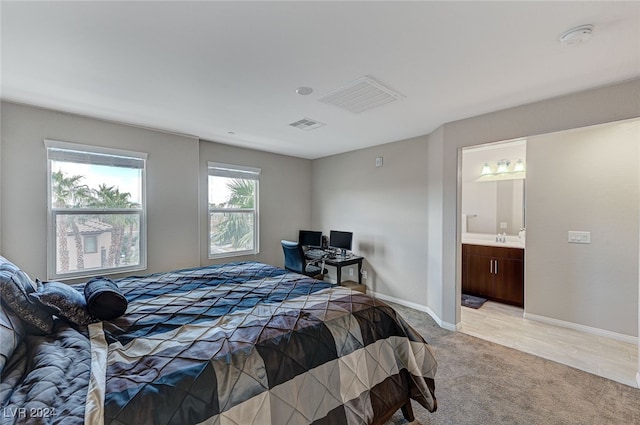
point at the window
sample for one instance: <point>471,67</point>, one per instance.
<point>96,210</point>
<point>233,210</point>
<point>90,244</point>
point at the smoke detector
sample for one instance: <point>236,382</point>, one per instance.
<point>577,35</point>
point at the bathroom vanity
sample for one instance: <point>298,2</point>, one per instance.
<point>493,270</point>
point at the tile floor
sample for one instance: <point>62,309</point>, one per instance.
<point>504,325</point>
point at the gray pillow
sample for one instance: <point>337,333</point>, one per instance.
<point>11,333</point>
<point>15,287</point>
<point>65,302</point>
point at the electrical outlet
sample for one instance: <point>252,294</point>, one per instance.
<point>364,274</point>
<point>351,272</point>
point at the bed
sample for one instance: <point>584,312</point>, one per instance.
<point>238,343</point>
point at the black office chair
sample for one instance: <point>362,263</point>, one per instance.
<point>295,261</point>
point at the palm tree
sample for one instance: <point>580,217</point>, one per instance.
<point>111,197</point>
<point>241,193</point>
<point>236,229</point>
<point>68,193</point>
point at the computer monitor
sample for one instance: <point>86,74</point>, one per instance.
<point>340,240</point>
<point>310,238</point>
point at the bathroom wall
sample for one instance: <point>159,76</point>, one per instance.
<point>584,180</point>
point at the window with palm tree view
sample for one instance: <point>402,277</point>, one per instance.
<point>96,210</point>
<point>233,210</point>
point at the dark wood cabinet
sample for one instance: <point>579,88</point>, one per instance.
<point>495,273</point>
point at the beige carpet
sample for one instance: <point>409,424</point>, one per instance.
<point>480,383</point>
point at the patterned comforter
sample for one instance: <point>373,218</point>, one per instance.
<point>239,343</point>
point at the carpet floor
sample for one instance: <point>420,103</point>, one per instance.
<point>479,382</point>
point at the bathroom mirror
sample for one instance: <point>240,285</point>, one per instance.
<point>510,206</point>
<point>495,204</point>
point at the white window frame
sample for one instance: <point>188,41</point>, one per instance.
<point>54,149</point>
<point>219,169</point>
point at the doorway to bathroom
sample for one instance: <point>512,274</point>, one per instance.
<point>493,224</point>
<point>581,294</point>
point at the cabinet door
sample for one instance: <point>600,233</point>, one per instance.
<point>479,280</point>
<point>508,281</point>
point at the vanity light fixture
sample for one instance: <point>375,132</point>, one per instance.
<point>503,171</point>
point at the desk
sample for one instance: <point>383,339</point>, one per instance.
<point>340,262</point>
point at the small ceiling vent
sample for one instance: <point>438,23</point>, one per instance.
<point>307,124</point>
<point>361,95</point>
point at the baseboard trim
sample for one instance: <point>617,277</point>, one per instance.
<point>583,328</point>
<point>445,325</point>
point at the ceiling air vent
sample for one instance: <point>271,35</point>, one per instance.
<point>361,95</point>
<point>307,124</point>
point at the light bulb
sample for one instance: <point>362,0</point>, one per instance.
<point>519,167</point>
<point>503,166</point>
<point>486,170</point>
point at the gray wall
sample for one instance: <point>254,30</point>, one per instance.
<point>285,197</point>
<point>435,210</point>
<point>176,187</point>
<point>411,238</point>
<point>405,215</point>
<point>1,144</point>
<point>172,210</point>
<point>584,180</point>
<point>384,207</point>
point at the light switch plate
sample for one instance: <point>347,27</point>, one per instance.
<point>579,237</point>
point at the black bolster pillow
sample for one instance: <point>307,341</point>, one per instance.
<point>104,299</point>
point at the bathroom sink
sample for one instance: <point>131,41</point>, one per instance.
<point>490,240</point>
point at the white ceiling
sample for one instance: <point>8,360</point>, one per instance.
<point>211,68</point>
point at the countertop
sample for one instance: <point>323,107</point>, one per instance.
<point>490,240</point>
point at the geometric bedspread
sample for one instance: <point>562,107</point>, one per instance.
<point>249,343</point>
